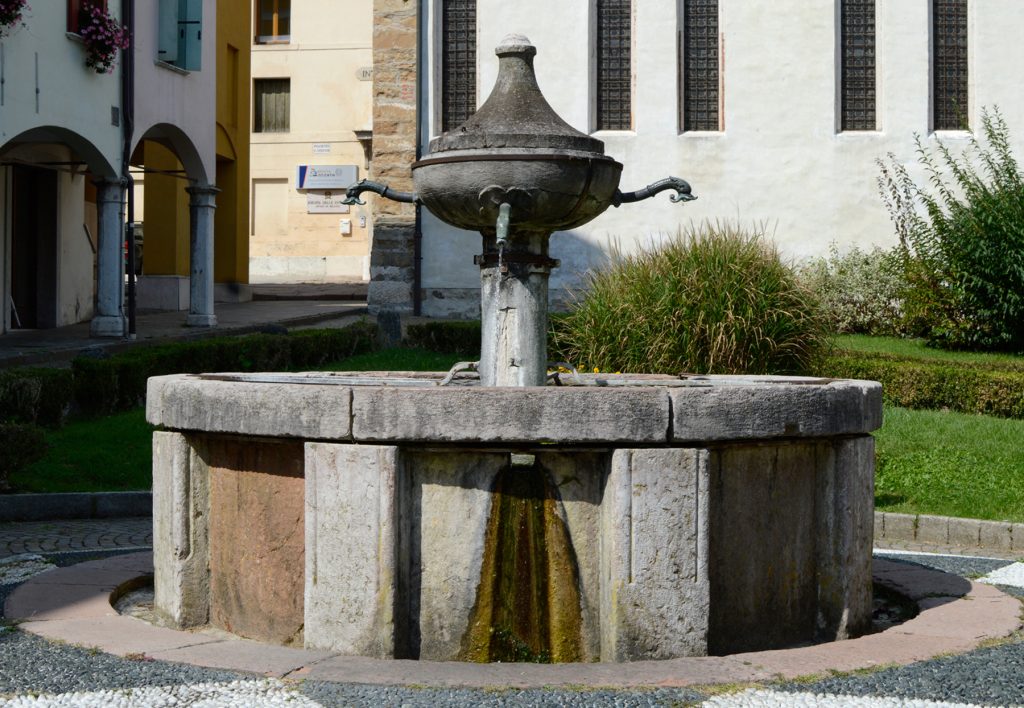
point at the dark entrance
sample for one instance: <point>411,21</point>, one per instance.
<point>33,248</point>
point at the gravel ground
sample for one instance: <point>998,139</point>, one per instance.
<point>30,666</point>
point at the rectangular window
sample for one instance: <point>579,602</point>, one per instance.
<point>271,105</point>
<point>458,62</point>
<point>700,70</point>
<point>857,65</point>
<point>180,33</point>
<point>949,64</point>
<point>76,11</point>
<point>273,21</point>
<point>614,90</point>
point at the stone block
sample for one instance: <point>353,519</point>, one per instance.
<point>256,538</point>
<point>654,555</point>
<point>997,535</point>
<point>846,493</point>
<point>386,295</point>
<point>932,529</point>
<point>763,546</point>
<point>532,415</point>
<point>187,402</point>
<point>119,504</point>
<point>1017,537</point>
<point>448,503</point>
<point>900,527</point>
<point>351,547</point>
<point>750,411</point>
<point>879,526</point>
<point>964,532</point>
<point>181,516</point>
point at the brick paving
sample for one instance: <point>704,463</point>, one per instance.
<point>75,535</point>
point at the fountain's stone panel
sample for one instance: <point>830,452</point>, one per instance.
<point>435,519</point>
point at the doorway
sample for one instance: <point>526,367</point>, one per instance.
<point>33,299</point>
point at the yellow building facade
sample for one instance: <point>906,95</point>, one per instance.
<point>311,119</point>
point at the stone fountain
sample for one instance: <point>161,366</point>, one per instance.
<point>513,514</point>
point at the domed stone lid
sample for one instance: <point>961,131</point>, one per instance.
<point>516,115</point>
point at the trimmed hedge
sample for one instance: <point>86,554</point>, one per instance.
<point>915,383</point>
<point>95,387</point>
<point>461,338</point>
<point>22,444</point>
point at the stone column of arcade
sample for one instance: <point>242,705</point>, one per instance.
<point>109,320</point>
<point>201,208</point>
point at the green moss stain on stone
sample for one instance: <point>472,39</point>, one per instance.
<point>528,600</point>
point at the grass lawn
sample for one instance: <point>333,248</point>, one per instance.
<point>950,464</point>
<point>916,349</point>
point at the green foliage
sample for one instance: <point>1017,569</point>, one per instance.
<point>860,290</point>
<point>103,386</point>
<point>950,464</point>
<point>22,444</point>
<point>962,241</point>
<point>916,383</point>
<point>717,299</point>
<point>41,396</point>
<point>913,348</point>
<point>462,338</point>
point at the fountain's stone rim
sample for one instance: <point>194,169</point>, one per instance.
<point>710,410</point>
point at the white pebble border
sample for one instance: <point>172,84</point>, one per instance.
<point>243,694</point>
<point>759,698</point>
<point>1012,575</point>
<point>21,567</point>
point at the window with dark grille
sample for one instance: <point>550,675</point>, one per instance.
<point>614,65</point>
<point>857,65</point>
<point>700,65</point>
<point>271,105</point>
<point>273,21</point>
<point>458,62</point>
<point>949,64</point>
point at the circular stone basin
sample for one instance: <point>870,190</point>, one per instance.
<point>621,518</point>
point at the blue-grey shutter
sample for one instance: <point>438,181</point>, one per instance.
<point>190,34</point>
<point>167,33</point>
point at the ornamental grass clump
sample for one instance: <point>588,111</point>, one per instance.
<point>714,300</point>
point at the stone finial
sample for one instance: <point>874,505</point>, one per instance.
<point>515,44</point>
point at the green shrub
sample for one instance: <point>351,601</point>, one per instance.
<point>462,338</point>
<point>962,241</point>
<point>22,444</point>
<point>714,300</point>
<point>860,291</point>
<point>910,383</point>
<point>31,395</point>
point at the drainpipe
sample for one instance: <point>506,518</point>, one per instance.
<point>127,132</point>
<point>417,235</point>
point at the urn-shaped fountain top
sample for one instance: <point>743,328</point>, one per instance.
<point>516,115</point>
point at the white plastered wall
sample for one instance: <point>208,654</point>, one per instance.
<point>779,161</point>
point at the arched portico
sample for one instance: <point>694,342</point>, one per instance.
<point>61,207</point>
<point>178,190</point>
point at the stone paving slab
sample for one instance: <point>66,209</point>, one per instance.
<point>82,614</point>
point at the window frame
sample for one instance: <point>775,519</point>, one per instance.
<point>602,122</point>
<point>450,116</point>
<point>276,37</point>
<point>846,118</point>
<point>257,127</point>
<point>941,118</point>
<point>684,66</point>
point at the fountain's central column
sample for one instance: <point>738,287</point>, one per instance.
<point>514,302</point>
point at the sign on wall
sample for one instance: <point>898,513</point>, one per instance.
<point>325,176</point>
<point>321,148</point>
<point>326,203</point>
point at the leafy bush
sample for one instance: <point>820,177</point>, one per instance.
<point>962,243</point>
<point>31,395</point>
<point>462,338</point>
<point>717,299</point>
<point>860,291</point>
<point>22,444</point>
